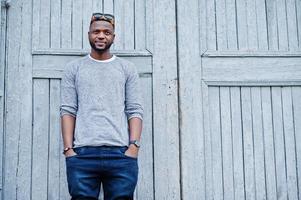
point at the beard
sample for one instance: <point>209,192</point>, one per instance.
<point>100,50</point>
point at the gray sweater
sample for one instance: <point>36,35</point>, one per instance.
<point>103,96</point>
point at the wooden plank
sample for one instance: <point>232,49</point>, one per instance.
<point>211,25</point>
<point>290,143</point>
<point>192,148</point>
<point>248,143</point>
<point>296,93</point>
<point>216,143</point>
<point>77,24</point>
<point>54,140</point>
<point>252,69</point>
<point>149,20</point>
<point>226,134</point>
<point>128,26</point>
<point>40,140</point>
<point>268,143</point>
<point>145,187</point>
<point>87,13</point>
<point>120,23</point>
<point>221,24</point>
<point>252,25</point>
<point>44,24</point>
<point>55,26</point>
<point>43,64</point>
<point>262,27</point>
<point>237,141</point>
<point>66,17</point>
<point>208,143</point>
<point>18,103</point>
<point>292,25</point>
<point>272,24</point>
<point>282,25</point>
<point>97,6</point>
<point>202,18</point>
<point>258,143</point>
<point>242,31</point>
<point>231,24</point>
<point>279,143</point>
<point>298,6</point>
<point>36,24</point>
<point>165,102</point>
<point>140,29</point>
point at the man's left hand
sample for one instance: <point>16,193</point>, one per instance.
<point>132,151</point>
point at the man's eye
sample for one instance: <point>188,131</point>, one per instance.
<point>108,33</point>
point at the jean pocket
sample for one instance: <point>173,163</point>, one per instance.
<point>123,150</point>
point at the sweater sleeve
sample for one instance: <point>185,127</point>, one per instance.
<point>133,99</point>
<point>68,92</point>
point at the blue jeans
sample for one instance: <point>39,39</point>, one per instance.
<point>93,166</point>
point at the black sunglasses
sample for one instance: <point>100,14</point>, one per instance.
<point>101,16</point>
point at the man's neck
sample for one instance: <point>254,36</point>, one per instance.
<point>101,56</point>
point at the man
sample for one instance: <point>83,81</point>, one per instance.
<point>101,117</point>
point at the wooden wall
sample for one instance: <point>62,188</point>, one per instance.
<point>221,87</point>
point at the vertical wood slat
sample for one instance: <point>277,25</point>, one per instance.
<point>77,24</point>
<point>258,143</point>
<point>36,24</point>
<point>292,25</point>
<point>139,21</point>
<point>119,27</point>
<point>248,143</point>
<point>231,24</point>
<point>40,139</point>
<point>66,30</point>
<point>18,102</point>
<point>269,143</point>
<point>86,15</point>
<point>242,25</point>
<point>211,27</point>
<point>290,146</point>
<point>298,5</point>
<point>97,6</point>
<point>208,149</point>
<point>237,137</point>
<point>128,26</point>
<point>251,25</point>
<point>54,140</point>
<point>226,133</point>
<point>145,189</point>
<point>221,25</point>
<point>279,144</point>
<point>282,25</point>
<point>149,21</point>
<point>296,95</point>
<point>216,144</point>
<point>165,98</point>
<point>272,24</point>
<point>55,24</point>
<point>45,24</point>
<point>261,24</point>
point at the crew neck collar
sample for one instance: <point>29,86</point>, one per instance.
<point>102,61</point>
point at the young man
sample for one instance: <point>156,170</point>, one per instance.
<point>101,116</point>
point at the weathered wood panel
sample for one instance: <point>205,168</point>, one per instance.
<point>265,118</point>
<point>18,104</point>
<point>64,23</point>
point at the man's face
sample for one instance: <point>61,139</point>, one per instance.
<point>101,35</point>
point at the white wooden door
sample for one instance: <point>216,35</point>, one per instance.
<point>43,36</point>
<point>240,89</point>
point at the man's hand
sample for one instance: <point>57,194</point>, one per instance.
<point>132,151</point>
<point>69,153</point>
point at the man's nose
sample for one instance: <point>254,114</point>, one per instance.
<point>100,35</point>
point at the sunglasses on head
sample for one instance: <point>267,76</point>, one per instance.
<point>101,16</point>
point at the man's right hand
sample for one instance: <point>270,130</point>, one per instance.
<point>70,153</point>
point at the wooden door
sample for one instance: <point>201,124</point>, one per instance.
<point>240,89</point>
<point>43,36</point>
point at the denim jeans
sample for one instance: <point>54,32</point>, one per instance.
<point>109,166</point>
